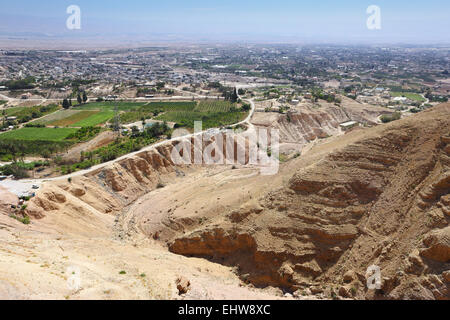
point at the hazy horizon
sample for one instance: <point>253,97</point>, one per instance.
<point>284,21</point>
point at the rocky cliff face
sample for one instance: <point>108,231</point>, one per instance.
<point>308,122</point>
<point>108,190</point>
<point>111,189</point>
<point>382,201</point>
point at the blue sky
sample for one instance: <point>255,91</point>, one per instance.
<point>322,21</point>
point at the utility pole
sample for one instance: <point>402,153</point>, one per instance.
<point>116,124</point>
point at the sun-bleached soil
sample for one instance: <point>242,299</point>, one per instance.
<point>375,195</point>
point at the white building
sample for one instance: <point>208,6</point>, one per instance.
<point>348,125</point>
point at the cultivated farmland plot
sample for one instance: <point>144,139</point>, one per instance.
<point>80,124</point>
<point>72,119</point>
<point>214,106</point>
<point>110,106</point>
<point>13,111</point>
<point>409,95</point>
<point>95,119</point>
<point>155,108</point>
<point>57,116</point>
<point>76,118</point>
<point>212,113</point>
<point>38,134</point>
<point>171,106</point>
<point>26,114</point>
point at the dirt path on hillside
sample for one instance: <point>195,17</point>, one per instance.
<point>103,139</point>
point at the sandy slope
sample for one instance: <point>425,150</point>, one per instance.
<point>34,262</point>
<point>305,228</point>
<point>80,230</point>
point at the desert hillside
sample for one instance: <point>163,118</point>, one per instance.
<point>382,200</point>
<point>308,121</point>
<point>374,196</point>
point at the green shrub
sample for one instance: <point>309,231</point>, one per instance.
<point>392,117</point>
<point>24,220</point>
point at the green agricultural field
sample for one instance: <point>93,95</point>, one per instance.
<point>410,95</point>
<point>73,119</point>
<point>13,111</point>
<point>26,114</point>
<point>134,116</point>
<point>171,106</point>
<point>215,106</point>
<point>36,141</point>
<point>95,119</point>
<point>57,116</point>
<point>153,109</point>
<point>38,134</point>
<point>76,118</point>
<point>213,113</point>
<point>110,106</point>
<point>209,119</point>
<point>3,102</point>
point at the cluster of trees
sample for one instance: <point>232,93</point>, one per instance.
<point>6,123</point>
<point>272,93</point>
<point>81,98</point>
<point>80,82</point>
<point>20,169</point>
<point>16,151</point>
<point>14,169</point>
<point>283,109</point>
<point>216,85</point>
<point>120,147</point>
<point>67,103</point>
<point>434,98</point>
<point>246,107</point>
<point>303,82</point>
<point>390,117</point>
<point>75,84</point>
<point>159,86</point>
<point>351,88</point>
<point>230,94</point>
<point>155,131</point>
<point>27,114</point>
<point>145,91</point>
<point>319,94</point>
<point>21,84</point>
<point>84,134</point>
<point>11,150</point>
